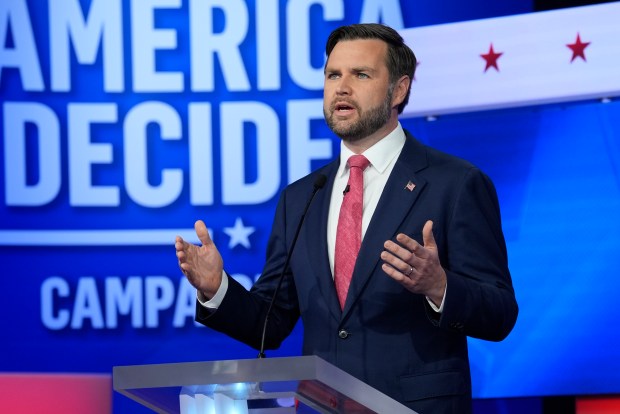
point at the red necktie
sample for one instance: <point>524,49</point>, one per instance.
<point>349,233</point>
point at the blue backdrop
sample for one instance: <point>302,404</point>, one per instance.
<point>123,123</point>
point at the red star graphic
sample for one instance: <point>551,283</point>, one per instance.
<point>578,48</point>
<point>491,58</point>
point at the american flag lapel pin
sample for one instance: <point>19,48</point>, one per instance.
<point>410,186</point>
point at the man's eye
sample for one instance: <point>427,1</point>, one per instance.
<point>332,76</point>
<point>362,76</point>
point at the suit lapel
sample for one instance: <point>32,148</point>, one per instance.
<point>399,195</point>
<point>316,234</point>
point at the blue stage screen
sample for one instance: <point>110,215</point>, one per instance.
<point>123,123</point>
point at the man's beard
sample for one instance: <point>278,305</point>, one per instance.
<point>368,123</point>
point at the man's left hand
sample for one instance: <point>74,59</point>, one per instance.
<point>416,266</point>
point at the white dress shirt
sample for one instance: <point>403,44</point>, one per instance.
<point>382,157</point>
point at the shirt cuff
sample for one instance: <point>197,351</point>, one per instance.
<point>433,306</point>
<point>217,299</point>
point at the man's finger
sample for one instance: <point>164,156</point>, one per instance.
<point>202,232</point>
<point>398,251</point>
<point>407,242</point>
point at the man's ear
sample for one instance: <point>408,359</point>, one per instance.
<point>400,90</point>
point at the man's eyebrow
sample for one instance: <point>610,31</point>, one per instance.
<point>355,69</point>
<point>363,69</point>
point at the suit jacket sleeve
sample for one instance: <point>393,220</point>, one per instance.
<point>480,300</point>
<point>241,314</point>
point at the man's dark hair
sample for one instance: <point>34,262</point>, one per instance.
<point>399,59</point>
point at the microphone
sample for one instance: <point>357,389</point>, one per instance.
<point>346,190</point>
<point>318,184</point>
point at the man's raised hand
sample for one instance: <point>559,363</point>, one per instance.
<point>202,265</point>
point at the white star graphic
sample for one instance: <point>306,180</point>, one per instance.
<point>239,234</point>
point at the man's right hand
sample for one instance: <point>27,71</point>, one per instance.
<point>202,265</point>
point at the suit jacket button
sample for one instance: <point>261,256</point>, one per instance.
<point>343,334</point>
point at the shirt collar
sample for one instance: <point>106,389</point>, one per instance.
<point>380,155</point>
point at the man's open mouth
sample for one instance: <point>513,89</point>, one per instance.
<point>343,107</point>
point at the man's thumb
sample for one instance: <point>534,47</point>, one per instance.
<point>202,232</point>
<point>427,235</point>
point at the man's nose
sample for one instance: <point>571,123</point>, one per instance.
<point>344,86</point>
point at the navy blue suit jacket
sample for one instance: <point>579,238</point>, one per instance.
<point>387,336</point>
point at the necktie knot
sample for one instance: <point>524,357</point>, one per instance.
<point>358,161</point>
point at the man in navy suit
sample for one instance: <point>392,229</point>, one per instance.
<point>432,265</point>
